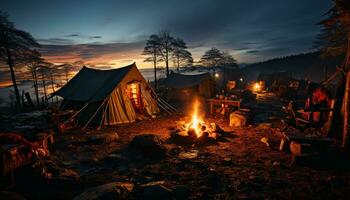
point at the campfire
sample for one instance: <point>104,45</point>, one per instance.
<point>196,125</point>
<point>197,130</point>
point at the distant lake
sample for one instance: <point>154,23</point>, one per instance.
<point>27,85</point>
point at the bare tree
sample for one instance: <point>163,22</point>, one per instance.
<point>44,69</point>
<point>13,41</point>
<point>66,69</point>
<point>180,53</point>
<point>166,47</point>
<point>32,61</point>
<point>152,49</point>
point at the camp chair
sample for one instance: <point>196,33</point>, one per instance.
<point>296,120</point>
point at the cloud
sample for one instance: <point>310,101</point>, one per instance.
<point>72,35</point>
<point>253,51</point>
<point>95,37</point>
<point>94,54</point>
<point>56,41</point>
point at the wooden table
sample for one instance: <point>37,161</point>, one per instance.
<point>213,102</point>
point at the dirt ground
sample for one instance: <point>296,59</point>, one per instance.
<point>240,167</point>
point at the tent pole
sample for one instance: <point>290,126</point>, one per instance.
<point>94,114</point>
<point>166,103</point>
<point>103,116</point>
<point>165,107</point>
<point>75,114</point>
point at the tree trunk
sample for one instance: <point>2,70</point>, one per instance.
<point>155,69</point>
<point>178,63</point>
<point>66,73</point>
<point>167,62</point>
<point>13,77</point>
<point>35,82</point>
<point>52,85</point>
<point>346,104</point>
<point>44,85</point>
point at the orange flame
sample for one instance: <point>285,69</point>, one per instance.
<point>196,121</point>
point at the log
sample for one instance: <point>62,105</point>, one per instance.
<point>115,190</point>
<point>299,149</point>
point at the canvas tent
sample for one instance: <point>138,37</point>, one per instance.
<point>185,87</point>
<point>109,97</point>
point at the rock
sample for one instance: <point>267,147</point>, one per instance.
<point>264,126</point>
<point>181,192</point>
<point>192,133</point>
<point>153,191</point>
<point>189,155</point>
<point>239,118</point>
<point>103,138</point>
<point>147,146</point>
<point>115,190</point>
<point>215,128</point>
<point>180,138</point>
<point>204,140</point>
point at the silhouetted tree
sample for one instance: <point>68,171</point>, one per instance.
<point>44,69</point>
<point>13,41</point>
<point>32,61</point>
<point>212,58</point>
<point>336,37</point>
<point>166,47</point>
<point>180,53</point>
<point>66,69</point>
<point>152,49</point>
<point>228,60</point>
<point>52,72</point>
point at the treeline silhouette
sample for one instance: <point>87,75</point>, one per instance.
<point>309,66</point>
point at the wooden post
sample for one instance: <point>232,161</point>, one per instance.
<point>346,99</point>
<point>329,124</point>
<point>346,106</point>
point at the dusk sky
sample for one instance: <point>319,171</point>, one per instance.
<point>113,33</point>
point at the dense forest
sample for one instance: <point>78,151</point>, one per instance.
<point>302,66</point>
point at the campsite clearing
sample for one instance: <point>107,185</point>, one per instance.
<point>240,166</point>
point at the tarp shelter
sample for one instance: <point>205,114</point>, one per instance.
<point>109,97</point>
<point>185,87</point>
